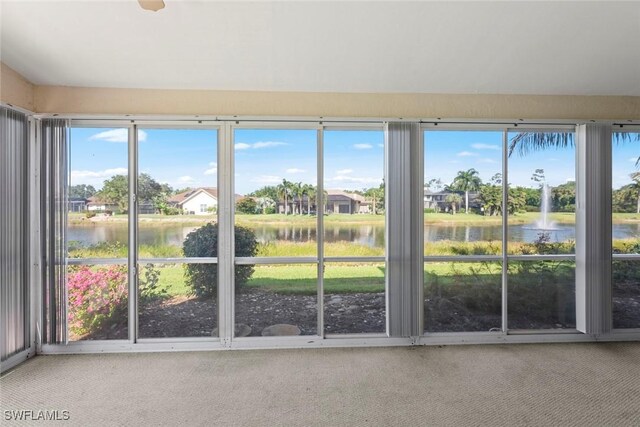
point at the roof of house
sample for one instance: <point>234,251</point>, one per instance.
<point>95,200</point>
<point>342,193</point>
<point>180,198</point>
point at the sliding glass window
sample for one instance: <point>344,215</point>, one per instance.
<point>626,228</point>
<point>97,234</point>
<point>462,230</point>
<point>354,232</point>
<point>541,229</point>
<point>276,245</point>
<point>177,232</point>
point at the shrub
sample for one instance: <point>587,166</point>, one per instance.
<point>247,205</point>
<point>89,214</point>
<point>97,296</point>
<point>429,210</point>
<point>203,242</point>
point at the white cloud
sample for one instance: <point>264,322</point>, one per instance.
<point>344,171</point>
<point>98,174</point>
<point>259,144</point>
<point>117,135</point>
<point>186,180</point>
<point>466,154</point>
<point>362,146</point>
<point>267,144</point>
<point>354,180</point>
<point>267,179</point>
<point>485,160</point>
<point>212,170</point>
<point>295,170</point>
<point>481,146</point>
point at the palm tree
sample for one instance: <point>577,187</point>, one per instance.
<point>454,200</point>
<point>284,190</point>
<point>526,142</point>
<point>374,195</point>
<point>467,181</point>
<point>310,191</point>
<point>296,192</point>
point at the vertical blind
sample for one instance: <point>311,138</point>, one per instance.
<point>14,233</point>
<point>54,200</point>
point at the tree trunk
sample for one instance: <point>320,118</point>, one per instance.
<point>466,202</point>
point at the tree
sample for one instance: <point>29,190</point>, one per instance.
<point>636,186</point>
<point>491,199</point>
<point>563,197</point>
<point>297,191</point>
<point>311,192</point>
<point>525,142</point>
<point>453,200</point>
<point>115,191</point>
<point>284,191</point>
<point>538,176</point>
<point>268,191</point>
<point>625,199</point>
<point>434,184</point>
<point>466,181</point>
<point>375,195</point>
<point>247,205</point>
<point>82,191</point>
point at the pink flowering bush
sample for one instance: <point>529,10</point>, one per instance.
<point>97,297</point>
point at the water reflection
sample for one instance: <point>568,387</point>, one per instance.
<point>367,235</point>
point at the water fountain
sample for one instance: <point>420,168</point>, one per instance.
<point>543,223</point>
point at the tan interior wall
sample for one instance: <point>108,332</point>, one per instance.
<point>18,91</point>
<point>50,99</point>
<point>15,89</point>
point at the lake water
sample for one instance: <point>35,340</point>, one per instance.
<point>368,235</point>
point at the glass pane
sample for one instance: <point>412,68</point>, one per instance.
<point>98,302</point>
<point>541,295</point>
<point>177,192</point>
<point>354,191</point>
<point>626,228</point>
<point>354,298</point>
<point>462,192</point>
<point>277,300</point>
<point>98,193</point>
<point>178,300</point>
<point>275,185</point>
<point>463,296</point>
<point>542,193</point>
<point>626,294</point>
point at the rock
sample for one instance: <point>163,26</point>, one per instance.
<point>241,330</point>
<point>280,329</point>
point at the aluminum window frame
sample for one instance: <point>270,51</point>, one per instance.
<point>225,122</point>
<point>505,128</point>
<point>622,128</point>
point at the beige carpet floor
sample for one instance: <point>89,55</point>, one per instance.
<point>498,385</point>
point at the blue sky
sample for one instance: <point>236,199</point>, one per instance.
<point>353,159</point>
<point>181,158</point>
<point>447,152</point>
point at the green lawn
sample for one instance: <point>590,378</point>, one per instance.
<point>301,279</point>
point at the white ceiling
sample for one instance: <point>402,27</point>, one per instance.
<point>456,47</point>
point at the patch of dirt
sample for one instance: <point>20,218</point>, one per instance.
<point>183,316</point>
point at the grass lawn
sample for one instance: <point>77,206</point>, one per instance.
<point>301,279</point>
